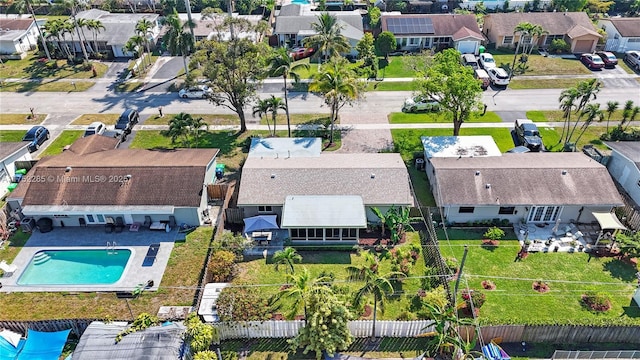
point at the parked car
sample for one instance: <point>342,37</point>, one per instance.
<point>609,59</point>
<point>633,59</point>
<point>127,120</point>
<point>498,76</point>
<point>196,92</point>
<point>484,78</point>
<point>592,61</point>
<point>299,53</point>
<point>528,134</point>
<point>519,150</point>
<point>36,136</point>
<point>487,61</point>
<point>420,103</point>
<point>95,128</point>
<point>469,60</point>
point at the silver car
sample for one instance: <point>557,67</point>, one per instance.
<point>195,92</point>
<point>420,103</point>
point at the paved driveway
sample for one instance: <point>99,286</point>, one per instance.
<point>370,140</point>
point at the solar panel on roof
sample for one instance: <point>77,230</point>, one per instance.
<point>412,25</point>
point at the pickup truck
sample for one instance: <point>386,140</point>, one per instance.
<point>633,59</point>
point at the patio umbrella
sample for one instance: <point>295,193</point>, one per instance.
<point>555,227</point>
<point>260,222</point>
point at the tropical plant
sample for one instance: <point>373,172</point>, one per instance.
<point>301,286</point>
<point>261,108</point>
<point>328,38</point>
<point>187,127</point>
<point>453,84</point>
<point>177,40</point>
<point>398,221</point>
<point>386,43</point>
<point>199,335</point>
<point>444,337</point>
<point>567,101</point>
<point>73,6</point>
<point>286,257</point>
<point>339,86</point>
<point>612,106</point>
<point>141,322</point>
<point>54,29</point>
<point>144,29</point>
<point>134,44</point>
<point>275,104</point>
<point>282,64</point>
<point>494,233</point>
<point>591,114</point>
<point>22,6</point>
<point>222,266</point>
<point>577,98</point>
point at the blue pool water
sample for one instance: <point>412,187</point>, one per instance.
<point>301,2</point>
<point>75,267</point>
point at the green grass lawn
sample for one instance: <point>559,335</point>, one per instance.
<point>31,68</point>
<point>439,117</point>
<point>51,86</point>
<point>12,135</point>
<point>390,86</point>
<point>67,137</point>
<point>86,119</point>
<point>519,84</point>
<point>21,119</point>
<point>263,272</point>
<point>568,275</point>
<point>540,65</point>
<point>398,67</point>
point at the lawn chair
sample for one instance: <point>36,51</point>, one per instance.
<point>172,221</point>
<point>7,269</point>
<point>150,257</point>
<point>119,224</point>
<point>147,221</point>
<point>109,225</point>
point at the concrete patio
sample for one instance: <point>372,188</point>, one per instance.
<point>92,238</point>
<point>561,238</point>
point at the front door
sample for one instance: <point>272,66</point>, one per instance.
<point>540,214</point>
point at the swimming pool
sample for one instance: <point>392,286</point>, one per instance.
<point>301,2</point>
<point>75,267</point>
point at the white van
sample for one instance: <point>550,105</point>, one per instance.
<point>483,77</point>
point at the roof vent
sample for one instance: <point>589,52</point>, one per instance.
<point>488,186</point>
<point>67,169</point>
<point>373,176</point>
<point>273,176</point>
<point>477,172</point>
<point>564,172</point>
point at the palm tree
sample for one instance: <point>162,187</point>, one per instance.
<point>262,108</point>
<point>522,29</point>
<point>281,64</point>
<point>445,337</point>
<point>592,113</point>
<point>634,112</point>
<point>626,113</point>
<point>587,91</point>
<point>339,86</point>
<point>73,6</point>
<point>262,29</point>
<point>22,6</point>
<point>328,38</point>
<point>300,286</point>
<point>275,103</point>
<point>195,125</point>
<point>96,27</point>
<point>143,28</point>
<point>179,127</point>
<point>374,284</point>
<point>83,23</point>
<point>177,40</point>
<point>134,44</point>
<point>53,29</point>
<point>286,257</point>
<point>612,106</point>
<point>567,100</point>
<point>536,32</point>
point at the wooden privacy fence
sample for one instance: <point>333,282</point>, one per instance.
<point>289,329</point>
<point>217,191</point>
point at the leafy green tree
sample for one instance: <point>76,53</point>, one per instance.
<point>629,244</point>
<point>328,38</point>
<point>599,6</point>
<point>374,16</point>
<point>339,86</point>
<point>234,69</point>
<point>386,43</point>
<point>374,284</point>
<point>453,85</point>
<point>281,64</point>
<point>569,5</point>
<point>327,327</point>
<point>246,7</point>
<point>286,257</point>
<point>205,355</point>
<point>365,47</point>
<point>222,266</point>
<point>612,106</point>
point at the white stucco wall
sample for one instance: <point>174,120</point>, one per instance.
<point>8,169</point>
<point>626,173</point>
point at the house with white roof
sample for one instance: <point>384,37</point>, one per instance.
<point>623,34</point>
<point>18,36</point>
<point>624,166</point>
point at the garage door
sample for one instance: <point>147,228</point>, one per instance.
<point>467,47</point>
<point>583,46</point>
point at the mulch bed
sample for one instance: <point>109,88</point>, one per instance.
<point>540,287</point>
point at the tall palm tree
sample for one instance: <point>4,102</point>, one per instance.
<point>592,113</point>
<point>275,104</point>
<point>632,117</point>
<point>522,29</point>
<point>262,108</point>
<point>177,40</point>
<point>281,64</point>
<point>626,113</point>
<point>612,106</point>
<point>328,38</point>
<point>339,86</point>
<point>374,284</point>
<point>96,27</point>
<point>53,29</point>
<point>82,24</point>
<point>73,6</point>
<point>22,6</point>
<point>587,91</point>
<point>301,285</point>
<point>567,100</point>
<point>195,125</point>
<point>286,257</point>
<point>144,28</point>
<point>536,32</point>
<point>134,44</point>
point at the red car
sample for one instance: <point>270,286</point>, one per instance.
<point>300,53</point>
<point>609,59</point>
<point>592,61</point>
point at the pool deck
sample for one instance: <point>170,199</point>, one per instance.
<point>86,238</point>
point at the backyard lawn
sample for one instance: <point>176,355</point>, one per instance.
<point>568,276</point>
<point>263,272</point>
<point>67,137</point>
<point>439,117</point>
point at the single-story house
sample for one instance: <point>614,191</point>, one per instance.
<point>326,198</point>
<point>294,23</point>
<point>92,181</point>
<point>118,29</point>
<point>624,166</point>
<point>623,34</point>
<point>574,27</point>
<point>499,4</point>
<point>542,189</point>
<point>164,342</point>
<point>207,28</point>
<point>434,31</point>
<point>10,152</point>
<point>18,36</point>
<point>285,147</point>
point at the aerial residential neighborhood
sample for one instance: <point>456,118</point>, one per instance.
<point>302,179</point>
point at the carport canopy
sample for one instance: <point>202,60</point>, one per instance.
<point>608,221</point>
<point>324,211</point>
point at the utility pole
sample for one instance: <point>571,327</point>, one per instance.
<point>187,4</point>
<point>455,289</point>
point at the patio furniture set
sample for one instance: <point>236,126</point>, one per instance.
<point>560,238</point>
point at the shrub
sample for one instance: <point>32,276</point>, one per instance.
<point>205,355</point>
<point>199,334</point>
<point>406,316</point>
<point>221,266</point>
<point>473,298</point>
<point>597,301</point>
<point>429,281</point>
<point>452,264</point>
<point>230,242</point>
<point>494,233</point>
<point>436,297</point>
<point>229,355</point>
<point>142,322</point>
<point>559,46</point>
<point>241,303</point>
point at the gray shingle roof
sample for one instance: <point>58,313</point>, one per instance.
<point>627,27</point>
<point>555,23</point>
<point>118,28</point>
<point>351,23</point>
<point>629,149</point>
<point>378,178</point>
<point>525,179</point>
<point>443,24</point>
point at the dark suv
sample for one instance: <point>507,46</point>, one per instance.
<point>528,134</point>
<point>127,120</point>
<point>36,136</point>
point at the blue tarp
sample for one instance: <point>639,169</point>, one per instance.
<point>43,345</point>
<point>8,351</point>
<point>494,352</point>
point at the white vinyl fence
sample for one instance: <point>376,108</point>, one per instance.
<point>289,329</point>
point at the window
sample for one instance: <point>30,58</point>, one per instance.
<point>265,209</point>
<point>315,234</point>
<point>349,234</point>
<point>299,234</point>
<point>526,39</point>
<point>544,213</point>
<point>466,210</point>
<point>333,234</point>
<point>507,40</point>
<point>100,218</point>
<point>90,219</point>
<point>507,210</point>
<point>414,41</point>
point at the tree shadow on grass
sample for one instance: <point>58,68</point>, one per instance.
<point>632,311</point>
<point>326,257</point>
<point>620,270</point>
